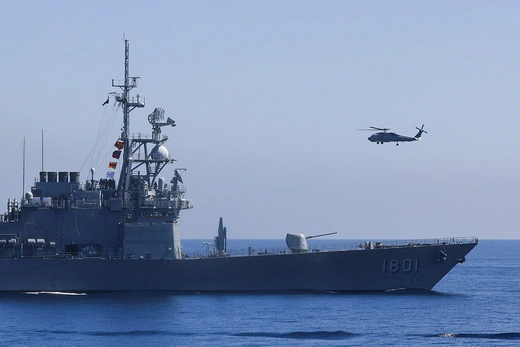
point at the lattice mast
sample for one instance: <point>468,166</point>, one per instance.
<point>128,104</point>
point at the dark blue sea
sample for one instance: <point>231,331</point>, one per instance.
<point>477,304</point>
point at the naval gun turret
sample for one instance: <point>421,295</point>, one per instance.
<point>297,242</point>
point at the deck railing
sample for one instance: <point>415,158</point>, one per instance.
<point>210,252</point>
<point>351,246</point>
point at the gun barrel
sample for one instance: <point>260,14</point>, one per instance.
<point>311,237</point>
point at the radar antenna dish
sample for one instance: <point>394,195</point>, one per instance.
<point>178,175</point>
<point>156,117</point>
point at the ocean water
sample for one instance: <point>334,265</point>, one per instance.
<point>477,304</point>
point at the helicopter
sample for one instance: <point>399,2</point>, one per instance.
<point>383,136</point>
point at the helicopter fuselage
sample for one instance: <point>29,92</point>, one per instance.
<point>383,137</point>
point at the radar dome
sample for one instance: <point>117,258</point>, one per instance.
<point>28,196</point>
<point>160,153</point>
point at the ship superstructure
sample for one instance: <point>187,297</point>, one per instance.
<point>135,218</point>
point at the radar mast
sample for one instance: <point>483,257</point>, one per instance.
<point>129,104</point>
<point>141,165</point>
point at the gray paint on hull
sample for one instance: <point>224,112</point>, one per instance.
<point>359,270</point>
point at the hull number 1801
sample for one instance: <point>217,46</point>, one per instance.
<point>397,265</point>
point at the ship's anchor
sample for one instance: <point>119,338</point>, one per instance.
<point>441,257</point>
<point>461,260</point>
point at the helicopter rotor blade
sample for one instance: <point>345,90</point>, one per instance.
<point>381,129</point>
<point>376,129</point>
<point>421,129</point>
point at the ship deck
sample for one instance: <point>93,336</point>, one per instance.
<point>209,252</point>
<point>208,249</point>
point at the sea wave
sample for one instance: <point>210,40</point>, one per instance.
<point>111,333</point>
<point>303,335</point>
<point>495,336</point>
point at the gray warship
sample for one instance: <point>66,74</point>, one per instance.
<point>65,235</point>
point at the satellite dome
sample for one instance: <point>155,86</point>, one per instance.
<point>160,153</point>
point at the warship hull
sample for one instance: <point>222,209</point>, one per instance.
<point>393,268</point>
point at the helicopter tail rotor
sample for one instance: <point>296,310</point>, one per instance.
<point>421,131</point>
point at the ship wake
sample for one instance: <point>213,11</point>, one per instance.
<point>54,293</point>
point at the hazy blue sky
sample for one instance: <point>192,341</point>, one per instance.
<point>268,97</point>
